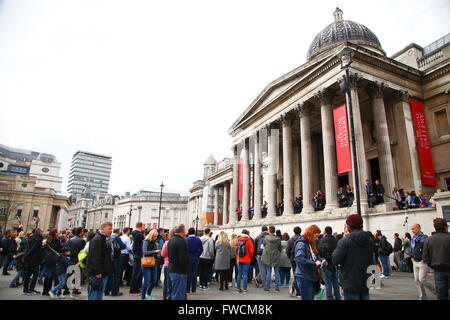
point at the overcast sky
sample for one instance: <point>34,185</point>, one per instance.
<point>157,84</point>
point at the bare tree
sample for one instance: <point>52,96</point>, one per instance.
<point>8,203</point>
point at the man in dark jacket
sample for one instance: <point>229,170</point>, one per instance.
<point>99,261</point>
<point>383,254</point>
<point>398,256</point>
<point>326,247</point>
<point>76,244</point>
<point>290,252</point>
<point>370,194</point>
<point>260,279</point>
<point>178,254</point>
<point>379,191</point>
<point>32,261</point>
<point>354,254</point>
<point>436,253</point>
<point>136,277</point>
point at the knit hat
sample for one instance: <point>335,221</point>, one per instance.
<point>354,221</point>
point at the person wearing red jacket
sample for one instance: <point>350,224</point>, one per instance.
<point>244,253</point>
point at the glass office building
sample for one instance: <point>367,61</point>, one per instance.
<point>89,175</point>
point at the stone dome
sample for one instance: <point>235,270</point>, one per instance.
<point>340,31</point>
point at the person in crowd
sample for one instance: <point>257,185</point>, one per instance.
<point>379,192</point>
<point>285,262</point>
<point>7,252</point>
<point>398,198</point>
<point>398,254</point>
<point>32,260</point>
<point>222,260</point>
<point>436,253</point>
<point>113,285</point>
<point>136,278</point>
<point>290,252</point>
<point>150,274</point>
<point>165,254</point>
<point>260,279</point>
<point>350,195</point>
<point>76,244</point>
<point>244,252</point>
<point>19,257</point>
<point>253,264</point>
<point>63,261</point>
<point>271,258</point>
<point>125,253</point>
<point>195,251</point>
<point>414,201</point>
<point>264,209</point>
<point>206,258</point>
<point>178,254</point>
<point>423,200</point>
<point>406,245</point>
<point>354,254</point>
<point>160,260</point>
<point>53,249</point>
<point>233,265</point>
<point>419,266</point>
<point>99,261</point>
<point>370,194</point>
<point>326,247</point>
<point>307,261</point>
<point>384,250</point>
<point>401,191</point>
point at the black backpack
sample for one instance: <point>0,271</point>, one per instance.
<point>242,248</point>
<point>388,249</point>
<point>116,248</point>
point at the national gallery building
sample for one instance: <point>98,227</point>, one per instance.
<point>290,141</point>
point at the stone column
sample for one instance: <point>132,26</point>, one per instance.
<point>216,205</point>
<point>304,109</point>
<point>257,199</point>
<point>225,203</point>
<point>325,98</point>
<point>354,81</point>
<point>288,176</point>
<point>376,93</point>
<point>246,182</point>
<point>235,189</point>
<point>272,170</point>
<point>403,98</point>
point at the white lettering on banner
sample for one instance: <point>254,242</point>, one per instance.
<point>422,134</point>
<point>374,280</point>
<point>73,277</point>
<point>342,132</point>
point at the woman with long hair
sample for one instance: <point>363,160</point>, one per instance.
<point>52,249</point>
<point>149,249</point>
<point>222,260</point>
<point>307,262</point>
<point>233,265</point>
<point>285,262</point>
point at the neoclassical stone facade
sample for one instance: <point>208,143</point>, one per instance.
<point>285,140</point>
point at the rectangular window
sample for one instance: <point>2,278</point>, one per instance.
<point>442,122</point>
<point>19,210</point>
<point>447,183</point>
<point>35,211</point>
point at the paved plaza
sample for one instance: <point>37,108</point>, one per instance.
<point>400,286</point>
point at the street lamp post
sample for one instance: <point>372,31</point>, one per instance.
<point>346,60</point>
<point>196,224</point>
<point>160,201</point>
<point>129,213</point>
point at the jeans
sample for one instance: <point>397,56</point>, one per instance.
<point>384,264</point>
<point>269,277</point>
<point>98,295</point>
<point>57,288</point>
<point>356,296</point>
<point>16,279</point>
<point>442,283</point>
<point>233,266</point>
<point>124,259</point>
<point>28,283</point>
<point>285,274</point>
<point>307,288</point>
<point>294,266</point>
<point>262,271</point>
<point>178,282</point>
<point>136,278</point>
<point>117,277</point>
<point>420,277</point>
<point>167,285</point>
<point>150,279</point>
<point>331,284</point>
<point>242,273</point>
<point>192,274</point>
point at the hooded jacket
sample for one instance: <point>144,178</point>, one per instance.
<point>285,262</point>
<point>99,259</point>
<point>354,253</point>
<point>223,256</point>
<point>326,247</point>
<point>290,250</point>
<point>208,248</point>
<point>248,246</point>
<point>417,243</point>
<point>272,251</point>
<point>33,253</point>
<point>305,265</point>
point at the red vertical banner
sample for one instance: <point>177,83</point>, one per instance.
<point>344,163</point>
<point>241,177</point>
<point>423,141</point>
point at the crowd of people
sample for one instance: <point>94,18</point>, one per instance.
<point>110,259</point>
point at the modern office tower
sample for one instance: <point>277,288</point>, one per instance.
<point>89,175</point>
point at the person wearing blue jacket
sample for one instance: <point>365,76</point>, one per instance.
<point>62,263</point>
<point>307,262</point>
<point>112,287</point>
<point>195,247</point>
